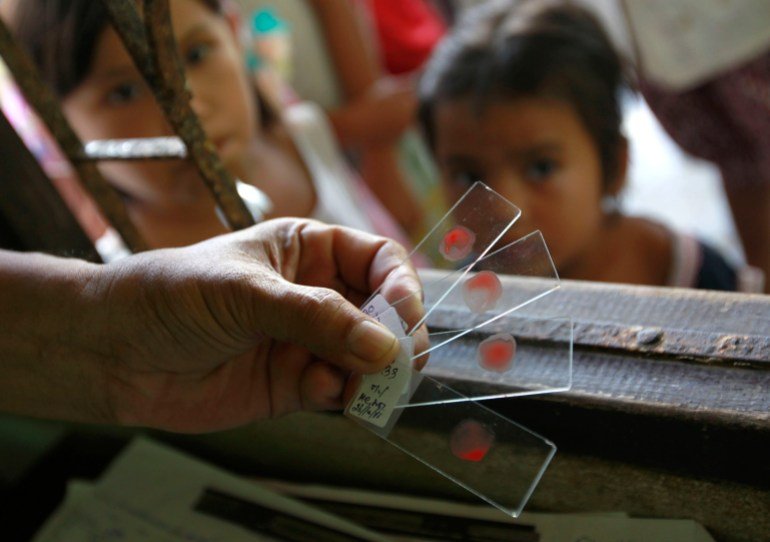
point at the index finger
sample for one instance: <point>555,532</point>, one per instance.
<point>366,263</point>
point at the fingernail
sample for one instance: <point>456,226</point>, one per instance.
<point>371,341</point>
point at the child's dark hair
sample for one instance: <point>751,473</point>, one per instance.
<point>503,50</point>
<point>61,37</point>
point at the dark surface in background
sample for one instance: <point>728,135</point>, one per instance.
<point>29,501</point>
<point>688,447</point>
<point>8,239</point>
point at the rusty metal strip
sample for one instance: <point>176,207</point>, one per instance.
<point>151,44</point>
<point>42,99</point>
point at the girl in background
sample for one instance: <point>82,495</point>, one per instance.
<point>527,98</point>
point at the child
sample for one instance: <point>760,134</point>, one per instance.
<point>103,95</point>
<point>526,97</point>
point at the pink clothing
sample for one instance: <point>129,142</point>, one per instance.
<point>408,30</point>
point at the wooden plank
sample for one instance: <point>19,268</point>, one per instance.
<point>629,383</point>
<point>42,99</point>
<point>667,430</point>
<point>703,326</point>
<point>683,391</point>
<point>35,214</point>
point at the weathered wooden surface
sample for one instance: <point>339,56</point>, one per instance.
<point>667,430</point>
<point>704,326</point>
<point>35,216</point>
<point>151,44</point>
<point>42,99</point>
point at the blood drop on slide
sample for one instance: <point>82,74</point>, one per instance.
<point>457,243</point>
<point>470,441</point>
<point>482,291</point>
<point>496,353</point>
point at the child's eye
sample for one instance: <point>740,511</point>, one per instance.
<point>197,53</point>
<point>540,169</point>
<point>124,93</point>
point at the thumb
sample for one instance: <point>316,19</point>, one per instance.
<point>331,327</point>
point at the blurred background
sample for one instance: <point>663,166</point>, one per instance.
<point>342,78</point>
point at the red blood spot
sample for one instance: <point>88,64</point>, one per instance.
<point>457,243</point>
<point>471,441</point>
<point>496,353</point>
<point>474,455</point>
<point>482,291</point>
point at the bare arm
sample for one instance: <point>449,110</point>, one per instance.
<point>47,365</point>
<point>350,49</point>
<point>377,110</point>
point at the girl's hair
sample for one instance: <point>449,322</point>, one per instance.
<point>61,37</point>
<point>506,50</point>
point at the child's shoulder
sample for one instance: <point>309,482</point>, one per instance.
<point>639,251</point>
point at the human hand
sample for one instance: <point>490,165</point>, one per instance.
<point>246,326</point>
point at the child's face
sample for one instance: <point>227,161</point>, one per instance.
<point>115,102</point>
<point>536,153</point>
